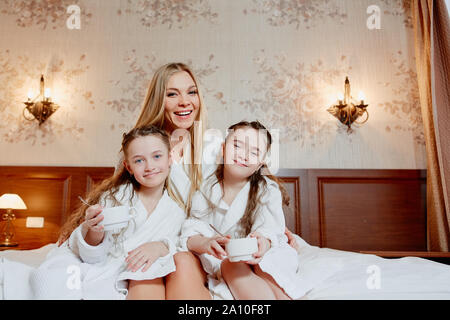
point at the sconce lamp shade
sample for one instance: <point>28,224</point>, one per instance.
<point>12,201</point>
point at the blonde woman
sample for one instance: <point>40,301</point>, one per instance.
<point>174,104</point>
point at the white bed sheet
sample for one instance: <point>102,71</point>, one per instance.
<point>32,258</point>
<point>334,274</point>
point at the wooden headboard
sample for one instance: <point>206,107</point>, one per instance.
<point>48,192</point>
<point>344,209</point>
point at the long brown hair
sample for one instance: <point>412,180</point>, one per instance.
<point>109,187</point>
<point>152,112</point>
<point>257,181</point>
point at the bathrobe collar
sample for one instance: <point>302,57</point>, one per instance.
<point>124,196</point>
<point>235,211</point>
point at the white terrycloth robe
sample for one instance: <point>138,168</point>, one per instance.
<point>77,270</point>
<point>179,171</point>
<point>280,261</point>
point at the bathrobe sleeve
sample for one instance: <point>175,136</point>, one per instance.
<point>86,252</point>
<point>270,220</point>
<point>197,223</point>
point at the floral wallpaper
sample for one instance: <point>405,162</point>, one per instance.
<point>401,9</point>
<point>41,13</point>
<point>296,92</point>
<point>305,13</point>
<point>279,61</point>
<point>406,105</point>
<point>152,13</point>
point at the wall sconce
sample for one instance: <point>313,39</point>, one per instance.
<point>347,110</point>
<point>41,110</point>
<point>9,201</point>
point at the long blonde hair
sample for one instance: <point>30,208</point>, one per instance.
<point>109,187</point>
<point>152,113</point>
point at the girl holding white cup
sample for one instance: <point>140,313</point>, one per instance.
<point>144,250</point>
<point>241,199</point>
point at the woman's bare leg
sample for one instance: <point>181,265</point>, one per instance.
<point>188,281</point>
<point>244,284</point>
<point>277,291</point>
<point>146,289</point>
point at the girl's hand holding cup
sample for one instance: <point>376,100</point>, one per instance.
<point>263,247</point>
<point>94,231</point>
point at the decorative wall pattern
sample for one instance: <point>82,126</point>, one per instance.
<point>152,13</point>
<point>279,61</point>
<point>299,13</point>
<point>400,9</point>
<point>406,104</point>
<point>41,13</point>
<point>294,95</point>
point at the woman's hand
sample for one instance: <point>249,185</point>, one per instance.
<point>291,240</point>
<point>213,246</point>
<point>94,231</point>
<point>263,247</point>
<point>146,253</point>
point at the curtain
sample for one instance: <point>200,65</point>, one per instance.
<point>431,35</point>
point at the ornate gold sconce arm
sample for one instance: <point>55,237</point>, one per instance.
<point>347,111</point>
<point>40,110</point>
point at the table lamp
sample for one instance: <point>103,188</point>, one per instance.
<point>9,201</point>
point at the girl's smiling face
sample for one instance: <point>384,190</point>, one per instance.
<point>148,159</point>
<point>244,151</point>
<point>181,102</point>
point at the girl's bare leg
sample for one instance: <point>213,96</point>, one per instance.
<point>188,281</point>
<point>146,289</point>
<point>277,291</point>
<point>244,284</point>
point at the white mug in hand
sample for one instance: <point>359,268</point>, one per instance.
<point>116,218</point>
<point>241,249</point>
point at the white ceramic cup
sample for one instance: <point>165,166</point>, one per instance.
<point>116,217</point>
<point>241,249</point>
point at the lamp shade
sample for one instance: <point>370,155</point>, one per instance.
<point>12,201</point>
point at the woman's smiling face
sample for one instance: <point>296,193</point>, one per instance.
<point>181,102</point>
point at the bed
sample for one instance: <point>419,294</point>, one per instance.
<point>325,274</point>
<point>332,264</point>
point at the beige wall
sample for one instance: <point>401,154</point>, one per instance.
<point>281,62</point>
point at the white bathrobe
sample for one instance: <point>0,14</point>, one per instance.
<point>101,269</point>
<point>179,171</point>
<point>281,261</point>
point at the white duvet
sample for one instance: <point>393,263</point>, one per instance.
<point>323,274</point>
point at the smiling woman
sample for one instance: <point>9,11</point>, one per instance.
<point>174,103</point>
<point>182,102</point>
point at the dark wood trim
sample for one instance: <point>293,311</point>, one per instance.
<point>315,205</point>
<point>50,192</point>
<point>300,197</point>
<point>313,202</point>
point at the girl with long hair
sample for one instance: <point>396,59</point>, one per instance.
<point>113,262</point>
<point>174,104</point>
<point>242,199</point>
